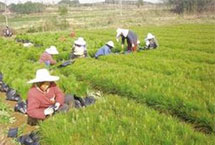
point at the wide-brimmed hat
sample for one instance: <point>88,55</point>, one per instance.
<point>120,31</point>
<point>52,50</point>
<point>150,36</point>
<point>80,41</point>
<point>42,75</point>
<point>110,43</point>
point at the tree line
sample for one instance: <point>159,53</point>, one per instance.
<point>189,6</point>
<point>27,8</point>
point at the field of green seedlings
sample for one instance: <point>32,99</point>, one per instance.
<point>162,96</point>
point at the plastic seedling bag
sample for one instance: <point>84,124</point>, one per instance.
<point>12,95</point>
<point>21,106</point>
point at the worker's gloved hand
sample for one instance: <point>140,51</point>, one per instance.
<point>49,111</point>
<point>56,106</point>
<point>132,45</point>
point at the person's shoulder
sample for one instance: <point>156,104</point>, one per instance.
<point>32,91</point>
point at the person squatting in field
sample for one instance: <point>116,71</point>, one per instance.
<point>79,49</point>
<point>46,57</point>
<point>45,97</point>
<point>151,42</point>
<point>105,50</point>
<point>7,32</point>
<point>130,37</point>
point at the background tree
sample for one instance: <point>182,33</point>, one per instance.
<point>68,2</point>
<point>27,8</point>
<point>181,6</point>
<point>2,7</point>
<point>62,10</point>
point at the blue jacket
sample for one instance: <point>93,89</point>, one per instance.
<point>104,50</point>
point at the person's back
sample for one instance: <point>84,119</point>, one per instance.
<point>105,50</point>
<point>79,49</point>
<point>129,36</point>
<point>7,32</point>
<point>46,57</point>
<point>151,42</point>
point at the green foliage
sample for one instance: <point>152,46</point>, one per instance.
<point>68,2</point>
<point>62,10</point>
<point>182,6</point>
<point>27,8</point>
<point>177,78</point>
<point>5,113</point>
<point>2,6</point>
<point>118,121</point>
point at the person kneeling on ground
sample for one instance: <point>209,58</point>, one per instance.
<point>44,97</point>
<point>46,57</point>
<point>7,32</point>
<point>105,50</point>
<point>151,42</point>
<point>79,49</point>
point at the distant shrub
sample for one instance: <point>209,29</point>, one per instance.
<point>62,10</point>
<point>27,8</point>
<point>53,24</point>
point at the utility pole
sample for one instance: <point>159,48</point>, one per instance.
<point>120,2</point>
<point>5,13</point>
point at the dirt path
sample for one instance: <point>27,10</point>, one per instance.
<point>20,122</point>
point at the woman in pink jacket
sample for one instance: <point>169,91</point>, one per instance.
<point>47,58</point>
<point>44,97</point>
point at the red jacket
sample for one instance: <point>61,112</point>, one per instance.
<point>45,57</point>
<point>38,101</point>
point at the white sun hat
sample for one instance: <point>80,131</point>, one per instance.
<point>52,50</point>
<point>110,43</point>
<point>149,36</point>
<point>80,41</point>
<point>42,75</point>
<point>120,31</point>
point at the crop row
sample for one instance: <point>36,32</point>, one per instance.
<point>114,120</point>
<point>186,99</point>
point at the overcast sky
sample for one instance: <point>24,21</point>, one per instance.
<point>53,1</point>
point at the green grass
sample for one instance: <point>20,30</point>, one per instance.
<point>5,112</point>
<point>114,120</point>
<point>177,79</point>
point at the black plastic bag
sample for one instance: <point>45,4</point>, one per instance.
<point>66,63</point>
<point>12,132</point>
<point>81,100</point>
<point>4,87</point>
<point>1,77</point>
<point>89,100</point>
<point>21,106</point>
<point>29,139</point>
<point>12,95</point>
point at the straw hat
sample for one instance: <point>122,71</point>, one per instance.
<point>110,43</point>
<point>52,50</point>
<point>120,31</point>
<point>42,75</point>
<point>80,41</point>
<point>149,36</point>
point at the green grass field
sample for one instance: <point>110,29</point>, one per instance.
<point>163,96</point>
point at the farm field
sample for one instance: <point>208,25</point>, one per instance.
<point>162,96</point>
